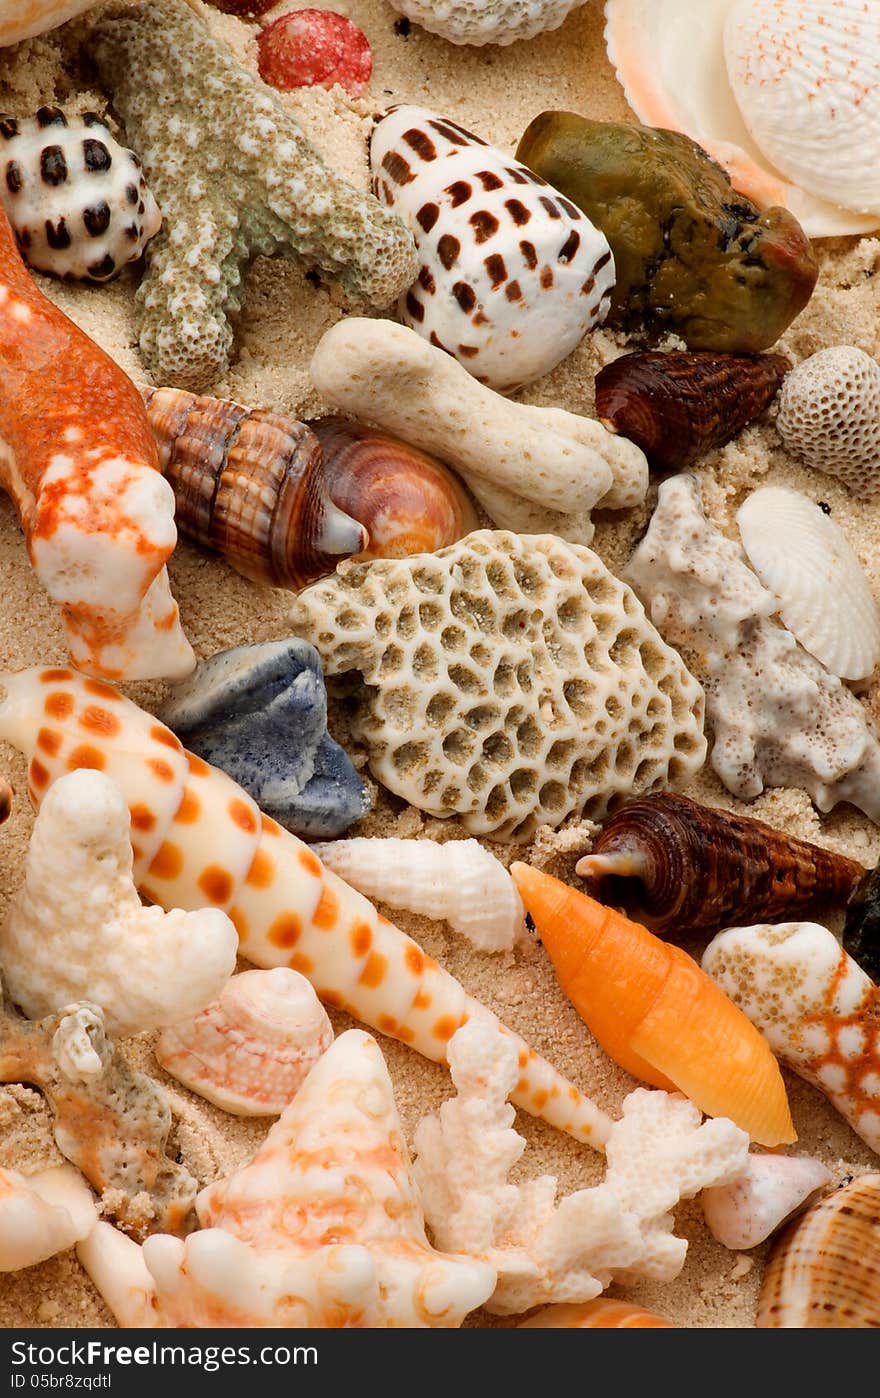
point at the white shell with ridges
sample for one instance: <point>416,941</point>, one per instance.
<point>829,416</point>
<point>458,882</point>
<point>512,274</point>
<point>804,558</point>
<point>806,77</point>
<point>480,22</point>
<point>250,1051</point>
<point>669,57</point>
<point>773,1188</point>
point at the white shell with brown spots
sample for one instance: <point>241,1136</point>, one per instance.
<point>77,200</point>
<point>512,274</point>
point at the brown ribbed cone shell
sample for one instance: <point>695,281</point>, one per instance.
<point>408,501</point>
<point>5,800</point>
<point>680,405</point>
<point>824,1271</point>
<point>703,869</point>
<point>251,486</point>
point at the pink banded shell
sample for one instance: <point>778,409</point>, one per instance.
<point>251,1049</point>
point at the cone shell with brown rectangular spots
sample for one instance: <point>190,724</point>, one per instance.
<point>512,275</point>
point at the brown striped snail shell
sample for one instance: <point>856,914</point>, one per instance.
<point>250,485</point>
<point>680,405</point>
<point>824,1272</point>
<point>5,800</point>
<point>681,867</point>
<point>408,501</point>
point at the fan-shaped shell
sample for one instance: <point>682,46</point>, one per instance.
<point>250,1051</point>
<point>824,1272</point>
<point>801,555</point>
<point>669,56</point>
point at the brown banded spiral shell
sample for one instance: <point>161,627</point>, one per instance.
<point>824,1272</point>
<point>5,800</point>
<point>681,867</point>
<point>250,485</point>
<point>408,501</point>
<point>678,406</point>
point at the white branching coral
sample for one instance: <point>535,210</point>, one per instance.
<point>77,929</point>
<point>544,1251</point>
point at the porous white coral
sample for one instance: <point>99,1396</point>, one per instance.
<point>480,22</point>
<point>779,718</point>
<point>509,679</point>
<point>544,1251</point>
<point>77,929</point>
<point>829,416</point>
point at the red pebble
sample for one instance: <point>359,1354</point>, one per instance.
<point>315,48</point>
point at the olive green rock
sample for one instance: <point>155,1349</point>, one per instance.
<point>692,255</point>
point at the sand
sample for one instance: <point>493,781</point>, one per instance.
<point>496,93</point>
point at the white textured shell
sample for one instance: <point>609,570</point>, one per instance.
<point>42,1214</point>
<point>669,57</point>
<point>510,679</point>
<point>804,558</point>
<point>829,416</point>
<point>77,200</point>
<point>481,22</point>
<point>806,77</point>
<point>23,19</point>
<point>459,882</point>
<point>251,1050</point>
<point>512,274</point>
<point>771,1190</point>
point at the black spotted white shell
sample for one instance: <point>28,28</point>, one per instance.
<point>512,274</point>
<point>77,200</point>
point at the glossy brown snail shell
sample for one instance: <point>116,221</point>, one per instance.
<point>5,800</point>
<point>250,485</point>
<point>680,405</point>
<point>408,501</point>
<point>679,867</point>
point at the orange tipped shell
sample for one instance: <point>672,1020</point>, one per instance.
<point>601,1314</point>
<point>251,486</point>
<point>408,501</point>
<point>655,1012</point>
<point>680,405</point>
<point>824,1272</point>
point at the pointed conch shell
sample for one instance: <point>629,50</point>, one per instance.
<point>679,867</point>
<point>23,19</point>
<point>696,69</point>
<point>602,1314</point>
<point>42,1214</point>
<point>458,882</point>
<point>824,1272</point>
<point>774,1188</point>
<point>806,561</point>
<point>250,1051</point>
<point>250,485</point>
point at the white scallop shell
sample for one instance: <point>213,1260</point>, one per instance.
<point>250,1051</point>
<point>459,882</point>
<point>825,601</point>
<point>773,1188</point>
<point>806,77</point>
<point>669,57</point>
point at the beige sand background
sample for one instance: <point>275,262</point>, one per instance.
<point>496,92</point>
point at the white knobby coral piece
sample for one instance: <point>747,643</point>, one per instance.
<point>779,717</point>
<point>251,1050</point>
<point>829,416</point>
<point>513,456</point>
<point>772,1189</point>
<point>806,561</point>
<point>458,882</point>
<point>510,679</point>
<point>77,929</point>
<point>480,22</point>
<point>42,1214</point>
<point>324,1228</point>
<point>815,1006</point>
<point>544,1251</point>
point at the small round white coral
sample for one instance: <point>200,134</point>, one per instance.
<point>829,416</point>
<point>78,931</point>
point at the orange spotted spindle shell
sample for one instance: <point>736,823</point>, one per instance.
<point>199,840</point>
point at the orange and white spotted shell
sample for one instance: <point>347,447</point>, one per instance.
<point>250,1051</point>
<point>817,1008</point>
<point>200,841</point>
<point>512,274</point>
